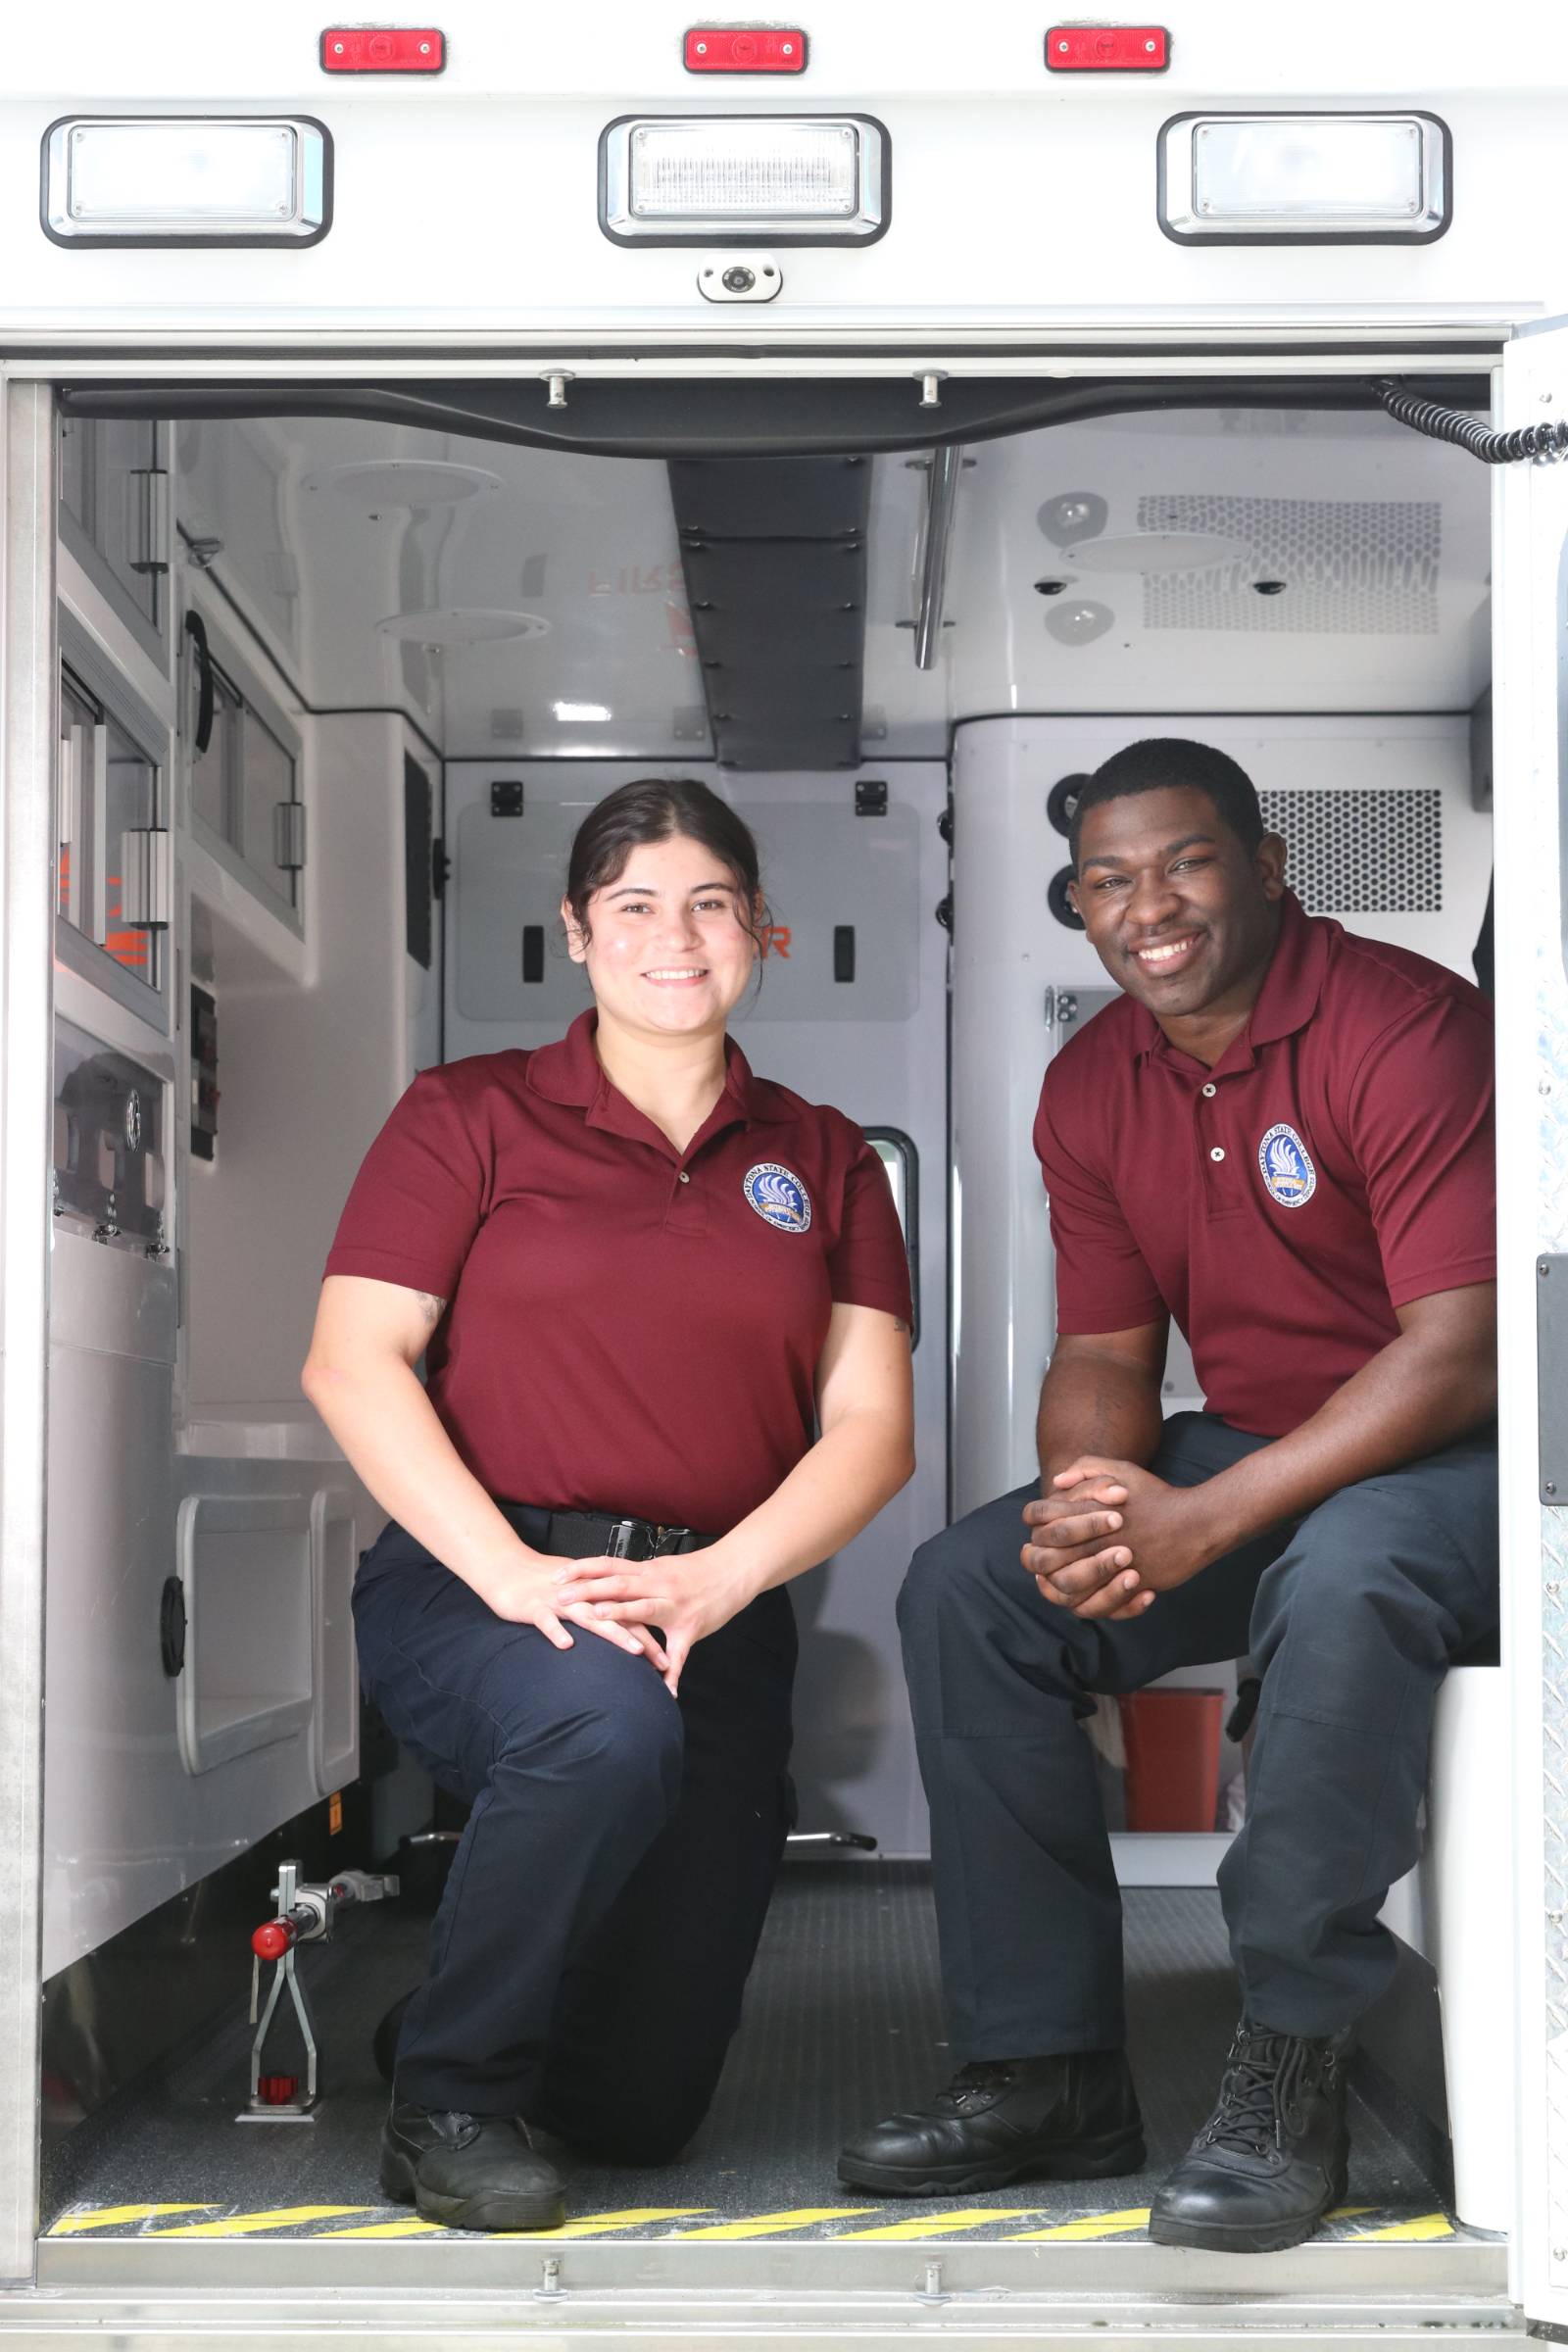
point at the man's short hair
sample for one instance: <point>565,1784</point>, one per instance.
<point>1167,763</point>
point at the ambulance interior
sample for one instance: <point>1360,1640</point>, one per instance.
<point>334,693</point>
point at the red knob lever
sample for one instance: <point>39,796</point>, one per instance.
<point>271,1940</point>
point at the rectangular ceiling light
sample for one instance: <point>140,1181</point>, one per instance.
<point>743,180</point>
<point>1354,179</point>
<point>186,180</point>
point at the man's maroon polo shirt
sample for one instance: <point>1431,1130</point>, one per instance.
<point>630,1329</point>
<point>1334,1164</point>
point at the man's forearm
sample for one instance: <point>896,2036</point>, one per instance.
<point>1095,1405</point>
<point>1415,1397</point>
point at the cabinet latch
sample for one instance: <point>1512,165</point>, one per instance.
<point>288,835</point>
<point>147,879</point>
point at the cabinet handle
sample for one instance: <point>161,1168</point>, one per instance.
<point>196,631</point>
<point>149,519</point>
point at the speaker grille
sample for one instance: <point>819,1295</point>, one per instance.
<point>1351,565</point>
<point>1361,852</point>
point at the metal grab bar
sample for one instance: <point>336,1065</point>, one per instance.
<point>941,511</point>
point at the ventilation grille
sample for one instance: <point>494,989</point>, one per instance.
<point>1361,852</point>
<point>1352,566</point>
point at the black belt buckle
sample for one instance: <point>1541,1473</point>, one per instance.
<point>642,1539</point>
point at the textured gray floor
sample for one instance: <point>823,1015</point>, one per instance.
<point>843,2023</point>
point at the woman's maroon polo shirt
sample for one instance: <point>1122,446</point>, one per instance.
<point>1336,1164</point>
<point>630,1329</point>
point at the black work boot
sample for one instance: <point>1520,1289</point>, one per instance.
<point>1069,2118</point>
<point>1270,2162</point>
<point>471,2172</point>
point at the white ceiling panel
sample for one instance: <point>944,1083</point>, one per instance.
<point>526,602</point>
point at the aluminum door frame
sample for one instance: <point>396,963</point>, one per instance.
<point>28,671</point>
<point>1530,587</point>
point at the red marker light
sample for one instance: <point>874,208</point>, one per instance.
<point>384,49</point>
<point>745,49</point>
<point>271,1941</point>
<point>1107,49</point>
<point>277,2091</point>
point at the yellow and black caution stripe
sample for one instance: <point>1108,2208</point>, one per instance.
<point>774,2225</point>
<point>596,2225</point>
<point>1089,2225</point>
<point>1412,2227</point>
<point>848,2225</point>
<point>248,2225</point>
<point>114,2217</point>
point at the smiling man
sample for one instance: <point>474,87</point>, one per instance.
<point>1280,1138</point>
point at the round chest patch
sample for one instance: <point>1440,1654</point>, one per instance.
<point>778,1196</point>
<point>1287,1165</point>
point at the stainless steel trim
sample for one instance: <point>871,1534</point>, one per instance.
<point>1062,2284</point>
<point>29,732</point>
<point>559,2322</point>
<point>941,513</point>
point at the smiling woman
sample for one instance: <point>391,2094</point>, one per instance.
<point>664,1310</point>
<point>677,929</point>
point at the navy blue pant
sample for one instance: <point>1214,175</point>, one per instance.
<point>603,1906</point>
<point>1350,1615</point>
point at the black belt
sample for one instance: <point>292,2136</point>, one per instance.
<point>588,1535</point>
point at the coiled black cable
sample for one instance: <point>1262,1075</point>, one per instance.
<point>1483,441</point>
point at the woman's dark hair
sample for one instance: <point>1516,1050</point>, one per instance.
<point>657,809</point>
<point>1163,763</point>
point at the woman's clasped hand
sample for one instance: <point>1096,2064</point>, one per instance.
<point>687,1594</point>
<point>527,1592</point>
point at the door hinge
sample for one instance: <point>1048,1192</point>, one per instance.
<point>440,868</point>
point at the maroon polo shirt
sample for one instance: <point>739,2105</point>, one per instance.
<point>630,1328</point>
<point>1334,1164</point>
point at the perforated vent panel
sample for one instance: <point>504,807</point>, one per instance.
<point>1361,852</point>
<point>1349,565</point>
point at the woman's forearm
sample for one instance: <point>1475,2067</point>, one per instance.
<point>833,1492</point>
<point>386,1425</point>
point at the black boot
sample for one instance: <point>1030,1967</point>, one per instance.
<point>1069,2118</point>
<point>471,2172</point>
<point>1270,2162</point>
